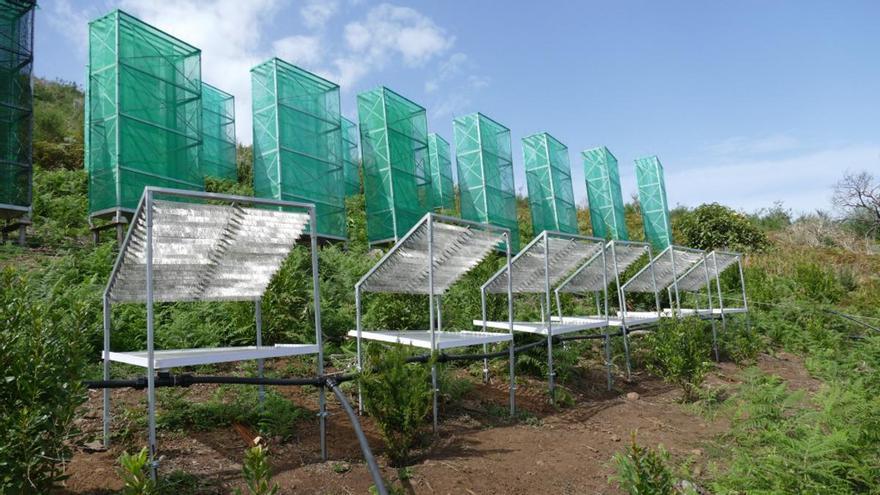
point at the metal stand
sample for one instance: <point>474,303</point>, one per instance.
<point>20,225</point>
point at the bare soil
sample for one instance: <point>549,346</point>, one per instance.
<point>478,450</point>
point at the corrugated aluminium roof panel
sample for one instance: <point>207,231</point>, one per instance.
<point>672,262</point>
<point>566,252</point>
<point>589,278</point>
<point>204,252</point>
<point>695,279</point>
<point>457,249</point>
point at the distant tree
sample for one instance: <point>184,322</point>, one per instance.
<point>858,195</point>
<point>712,226</point>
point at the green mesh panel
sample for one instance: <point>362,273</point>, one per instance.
<point>441,173</point>
<point>298,142</point>
<point>485,173</point>
<point>144,112</point>
<point>218,134</point>
<point>86,119</point>
<point>603,193</point>
<point>394,145</point>
<point>548,176</point>
<point>351,157</point>
<point>16,106</point>
<point>652,200</point>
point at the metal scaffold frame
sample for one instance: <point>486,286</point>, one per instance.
<point>548,177</point>
<point>194,249</point>
<point>428,260</point>
<point>693,280</point>
<point>602,178</point>
<point>16,115</point>
<point>218,134</point>
<point>593,277</point>
<point>536,269</point>
<point>298,153</point>
<point>145,108</point>
<point>443,187</point>
<point>653,202</point>
<point>665,270</point>
<point>351,157</point>
<point>394,148</point>
<point>485,172</point>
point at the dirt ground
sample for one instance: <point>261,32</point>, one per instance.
<point>477,450</point>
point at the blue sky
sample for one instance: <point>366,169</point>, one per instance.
<point>745,103</point>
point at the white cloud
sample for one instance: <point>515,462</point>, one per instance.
<point>802,181</point>
<point>386,33</point>
<point>299,49</point>
<point>316,13</point>
<point>479,82</point>
<point>742,146</point>
<point>228,32</point>
<point>231,36</point>
<point>72,23</point>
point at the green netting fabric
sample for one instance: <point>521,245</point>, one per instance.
<point>144,113</point>
<point>485,173</point>
<point>653,202</point>
<point>351,157</point>
<point>298,152</point>
<point>603,193</point>
<point>548,177</point>
<point>16,105</point>
<point>218,134</point>
<point>394,145</point>
<point>441,173</point>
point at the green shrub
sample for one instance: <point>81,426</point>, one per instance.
<point>42,355</point>
<point>644,471</point>
<point>398,397</point>
<point>713,226</point>
<point>679,352</point>
<point>816,283</point>
<point>277,417</point>
<point>257,475</point>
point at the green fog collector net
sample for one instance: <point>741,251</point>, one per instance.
<point>394,145</point>
<point>218,134</point>
<point>485,173</point>
<point>653,202</point>
<point>144,113</point>
<point>603,193</point>
<point>351,157</point>
<point>548,177</point>
<point>298,152</point>
<point>16,106</point>
<point>441,173</point>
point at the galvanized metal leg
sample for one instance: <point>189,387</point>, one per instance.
<point>550,372</point>
<point>485,364</point>
<point>151,372</point>
<point>106,391</point>
<point>436,391</point>
<point>608,354</point>
<point>625,332</point>
<point>511,357</point>
<point>357,308</point>
<point>22,231</point>
<point>258,317</point>
<point>319,333</point>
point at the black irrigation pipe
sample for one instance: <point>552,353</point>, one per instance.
<point>850,318</point>
<point>186,380</point>
<point>362,439</point>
